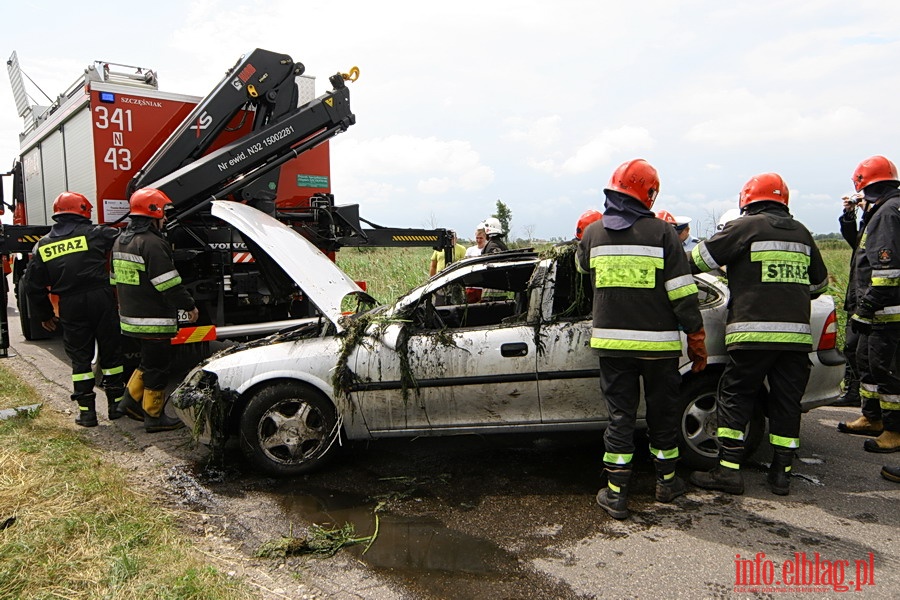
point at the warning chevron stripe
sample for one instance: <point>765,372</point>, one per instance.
<point>192,335</point>
<point>241,257</point>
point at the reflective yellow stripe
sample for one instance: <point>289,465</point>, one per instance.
<point>63,247</point>
<point>784,442</point>
<point>731,434</point>
<point>730,465</point>
<point>617,459</point>
<point>613,487</point>
<point>702,258</point>
<point>664,454</point>
<point>113,371</point>
<point>82,376</point>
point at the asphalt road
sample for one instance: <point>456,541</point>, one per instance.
<point>514,517</point>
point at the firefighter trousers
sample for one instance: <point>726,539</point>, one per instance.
<point>91,318</point>
<point>621,387</point>
<point>787,372</point>
<point>156,361</point>
<point>879,380</point>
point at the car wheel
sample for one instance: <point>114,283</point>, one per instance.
<point>288,428</point>
<point>697,439</point>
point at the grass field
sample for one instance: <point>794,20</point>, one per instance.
<point>72,527</point>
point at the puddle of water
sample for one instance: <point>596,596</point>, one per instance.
<point>405,545</point>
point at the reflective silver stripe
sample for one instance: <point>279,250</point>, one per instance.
<point>706,256</point>
<point>768,326</point>
<point>677,282</point>
<point>813,288</point>
<point>627,251</point>
<point>886,273</point>
<point>869,387</point>
<point>164,278</point>
<point>888,310</point>
<point>637,335</point>
<point>127,256</point>
<point>147,320</point>
<point>782,246</point>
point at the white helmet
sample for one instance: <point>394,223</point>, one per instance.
<point>492,226</point>
<point>729,215</point>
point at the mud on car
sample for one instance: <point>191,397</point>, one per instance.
<point>493,344</point>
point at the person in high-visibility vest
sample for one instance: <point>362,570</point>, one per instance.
<point>644,296</point>
<point>877,315</point>
<point>150,295</point>
<point>72,261</point>
<point>773,268</point>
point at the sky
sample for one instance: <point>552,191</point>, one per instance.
<point>461,104</point>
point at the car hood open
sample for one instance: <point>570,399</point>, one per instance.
<point>319,278</point>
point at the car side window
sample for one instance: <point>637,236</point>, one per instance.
<point>491,297</point>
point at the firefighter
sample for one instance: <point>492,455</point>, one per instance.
<point>150,296</point>
<point>877,316</point>
<point>586,218</point>
<point>72,262</point>
<point>494,232</point>
<point>644,295</point>
<point>774,267</point>
<point>850,229</point>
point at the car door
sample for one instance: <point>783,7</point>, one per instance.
<point>426,374</point>
<point>568,370</point>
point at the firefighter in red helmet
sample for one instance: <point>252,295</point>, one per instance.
<point>150,296</point>
<point>586,218</point>
<point>877,317</point>
<point>72,262</point>
<point>644,296</point>
<point>774,266</point>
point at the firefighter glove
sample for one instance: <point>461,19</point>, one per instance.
<point>696,349</point>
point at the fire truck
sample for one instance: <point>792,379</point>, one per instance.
<point>259,137</point>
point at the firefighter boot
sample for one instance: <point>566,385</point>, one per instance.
<point>614,497</point>
<point>887,442</point>
<point>157,420</point>
<point>668,485</point>
<point>130,404</point>
<point>725,479</point>
<point>87,413</point>
<point>849,391</point>
<point>862,426</point>
<point>113,398</point>
<point>779,476</point>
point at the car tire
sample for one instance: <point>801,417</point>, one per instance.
<point>288,428</point>
<point>697,441</point>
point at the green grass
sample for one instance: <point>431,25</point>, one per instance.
<point>76,529</point>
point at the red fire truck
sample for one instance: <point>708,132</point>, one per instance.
<point>259,137</point>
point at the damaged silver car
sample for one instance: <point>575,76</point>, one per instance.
<point>493,344</point>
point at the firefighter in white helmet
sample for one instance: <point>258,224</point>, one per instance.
<point>494,232</point>
<point>644,296</point>
<point>774,267</point>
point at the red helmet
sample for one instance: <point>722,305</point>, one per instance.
<point>638,179</point>
<point>873,170</point>
<point>586,218</point>
<point>148,202</point>
<point>667,217</point>
<point>768,186</point>
<point>72,203</point>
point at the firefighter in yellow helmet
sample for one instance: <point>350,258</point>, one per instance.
<point>774,267</point>
<point>644,296</point>
<point>72,262</point>
<point>150,295</point>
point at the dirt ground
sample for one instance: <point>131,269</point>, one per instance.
<point>226,529</point>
